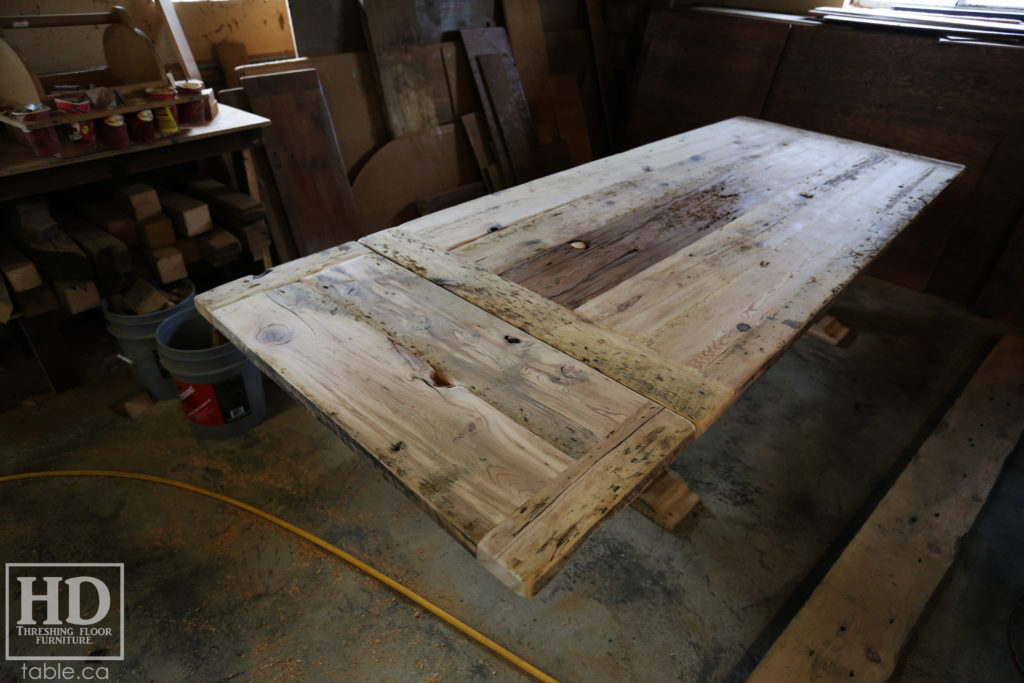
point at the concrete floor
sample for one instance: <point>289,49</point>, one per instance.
<point>786,476</point>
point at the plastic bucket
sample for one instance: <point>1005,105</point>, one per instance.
<point>136,335</point>
<point>220,390</point>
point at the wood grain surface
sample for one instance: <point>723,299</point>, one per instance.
<point>526,363</point>
<point>305,158</point>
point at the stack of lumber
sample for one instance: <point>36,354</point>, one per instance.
<point>240,221</point>
<point>446,106</point>
<point>100,248</point>
<point>47,267</point>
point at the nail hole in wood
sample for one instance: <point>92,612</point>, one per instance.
<point>511,340</point>
<point>438,379</point>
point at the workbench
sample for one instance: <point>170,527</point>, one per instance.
<point>526,364</point>
<point>23,174</point>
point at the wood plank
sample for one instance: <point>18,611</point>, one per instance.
<point>304,158</point>
<point>484,41</point>
<point>561,400</point>
<point>278,276</point>
<point>678,388</point>
<point>392,32</point>
<point>689,188</point>
<point>857,621</point>
<point>526,36</point>
<point>482,146</point>
<point>350,89</point>
<point>571,116</point>
<point>730,63</point>
<point>427,163</point>
<point>610,175</point>
<point>230,54</point>
<point>450,198</point>
<point>508,103</point>
<point>603,63</point>
<point>466,463</point>
<point>179,40</point>
<point>768,268</point>
<point>529,547</point>
<point>20,272</point>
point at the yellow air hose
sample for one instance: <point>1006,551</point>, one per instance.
<point>334,550</point>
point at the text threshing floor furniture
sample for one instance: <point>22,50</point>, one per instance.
<point>525,364</point>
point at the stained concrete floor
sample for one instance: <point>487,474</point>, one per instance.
<point>214,593</point>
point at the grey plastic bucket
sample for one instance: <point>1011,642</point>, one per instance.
<point>220,390</point>
<point>136,335</point>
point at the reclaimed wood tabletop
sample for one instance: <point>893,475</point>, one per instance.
<point>523,365</point>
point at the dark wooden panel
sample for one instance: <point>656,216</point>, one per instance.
<point>696,69</point>
<point>304,158</point>
<point>913,93</point>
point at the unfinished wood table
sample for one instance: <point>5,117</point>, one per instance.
<point>525,364</point>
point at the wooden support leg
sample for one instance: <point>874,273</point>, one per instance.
<point>828,329</point>
<point>667,500</point>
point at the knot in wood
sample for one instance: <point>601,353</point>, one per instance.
<point>275,333</point>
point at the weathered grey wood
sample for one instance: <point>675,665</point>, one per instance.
<point>857,621</point>
<point>680,389</point>
<point>668,276</point>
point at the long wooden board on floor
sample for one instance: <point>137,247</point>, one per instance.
<point>304,158</point>
<point>856,623</point>
<point>656,284</point>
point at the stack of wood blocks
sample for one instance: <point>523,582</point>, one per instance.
<point>71,258</point>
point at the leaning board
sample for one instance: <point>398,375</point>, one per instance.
<point>524,364</point>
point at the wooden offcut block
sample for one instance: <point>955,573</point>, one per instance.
<point>220,247</point>
<point>107,254</point>
<point>36,301</point>
<point>110,218</point>
<point>31,221</point>
<point>167,263</point>
<point>140,201</point>
<point>144,298</point>
<point>227,205</point>
<point>76,296</point>
<point>156,231</point>
<point>191,249</point>
<point>190,216</point>
<point>60,258</point>
<point>21,274</point>
<point>255,237</point>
